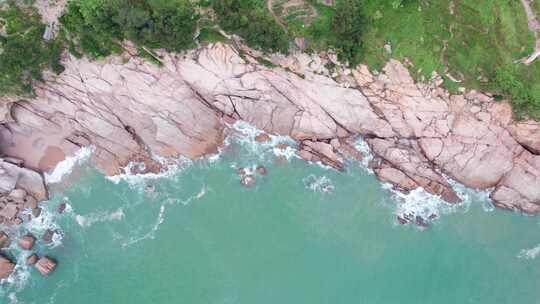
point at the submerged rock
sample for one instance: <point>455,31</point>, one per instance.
<point>26,242</point>
<point>4,240</point>
<point>248,180</point>
<point>48,236</point>
<point>261,170</point>
<point>61,208</point>
<point>32,260</point>
<point>263,137</point>
<point>6,267</point>
<point>46,265</point>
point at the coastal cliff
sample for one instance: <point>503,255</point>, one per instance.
<point>419,134</point>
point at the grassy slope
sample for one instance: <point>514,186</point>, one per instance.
<point>480,36</point>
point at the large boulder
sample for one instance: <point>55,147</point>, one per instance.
<point>13,176</point>
<point>6,267</point>
<point>26,242</point>
<point>45,265</point>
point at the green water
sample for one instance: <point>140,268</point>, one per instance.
<point>203,238</point>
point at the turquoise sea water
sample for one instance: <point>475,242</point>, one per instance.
<point>303,234</point>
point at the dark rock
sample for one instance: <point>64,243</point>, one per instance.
<point>17,221</point>
<point>421,222</point>
<point>4,240</point>
<point>27,242</point>
<point>45,265</point>
<point>36,212</point>
<point>402,220</point>
<point>31,260</point>
<point>261,170</point>
<point>248,180</point>
<point>48,236</point>
<point>61,208</point>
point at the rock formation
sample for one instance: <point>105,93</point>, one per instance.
<point>26,242</point>
<point>419,134</point>
<point>6,267</point>
<point>45,265</point>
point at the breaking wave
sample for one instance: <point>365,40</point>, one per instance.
<point>321,184</point>
<point>161,216</point>
<point>66,166</point>
<point>529,254</point>
<point>135,179</point>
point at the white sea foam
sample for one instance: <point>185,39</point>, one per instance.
<point>529,254</point>
<point>150,234</point>
<point>246,133</point>
<point>136,179</point>
<point>321,184</point>
<point>161,216</point>
<point>421,203</point>
<point>361,145</point>
<point>66,166</point>
<point>97,217</point>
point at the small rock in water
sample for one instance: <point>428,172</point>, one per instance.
<point>261,170</point>
<point>36,212</point>
<point>421,222</point>
<point>6,267</point>
<point>31,260</point>
<point>17,221</point>
<point>248,180</point>
<point>48,236</point>
<point>282,146</point>
<point>150,189</point>
<point>45,265</point>
<point>263,137</point>
<point>27,242</point>
<point>402,220</point>
<point>241,171</point>
<point>62,207</point>
<point>433,216</point>
<point>4,240</point>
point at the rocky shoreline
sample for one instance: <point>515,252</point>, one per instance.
<point>132,110</point>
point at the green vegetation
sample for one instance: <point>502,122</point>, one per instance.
<point>210,35</point>
<point>24,54</point>
<point>476,42</point>
<point>470,43</point>
<point>97,28</point>
<point>251,20</point>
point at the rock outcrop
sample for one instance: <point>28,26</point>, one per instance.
<point>45,265</point>
<point>20,188</point>
<point>419,134</point>
<point>6,267</point>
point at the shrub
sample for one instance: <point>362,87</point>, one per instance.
<point>251,20</point>
<point>24,54</point>
<point>98,27</point>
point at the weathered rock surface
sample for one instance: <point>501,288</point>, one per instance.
<point>4,240</point>
<point>6,267</point>
<point>45,265</point>
<point>418,132</point>
<point>26,242</point>
<point>32,260</point>
<point>19,188</point>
